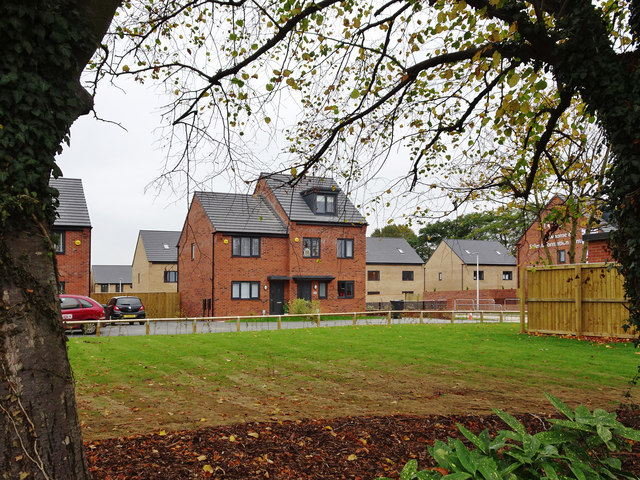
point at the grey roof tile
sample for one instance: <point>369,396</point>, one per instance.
<point>160,245</point>
<point>490,252</point>
<point>111,273</point>
<point>297,209</point>
<point>238,213</point>
<point>391,250</point>
<point>72,210</point>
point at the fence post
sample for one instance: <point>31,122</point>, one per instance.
<point>522,293</point>
<point>237,324</point>
<point>195,325</point>
<point>98,329</point>
<point>577,288</point>
<point>147,330</point>
<point>421,317</point>
<point>279,322</point>
<point>389,318</point>
<point>501,316</point>
<point>481,316</point>
<point>355,318</point>
<point>318,321</point>
<point>452,316</point>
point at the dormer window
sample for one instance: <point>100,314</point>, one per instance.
<point>321,201</point>
<point>325,203</point>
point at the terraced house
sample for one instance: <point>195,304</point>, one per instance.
<point>251,254</point>
<point>72,229</point>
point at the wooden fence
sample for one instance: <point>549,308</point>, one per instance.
<point>156,304</point>
<point>582,299</point>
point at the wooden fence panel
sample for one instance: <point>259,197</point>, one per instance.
<point>582,299</point>
<point>156,304</point>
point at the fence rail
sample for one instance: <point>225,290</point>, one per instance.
<point>160,326</point>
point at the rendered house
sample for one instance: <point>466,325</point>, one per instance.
<point>155,261</point>
<point>112,279</point>
<point>452,270</point>
<point>251,254</point>
<point>394,270</point>
<point>549,236</point>
<point>72,229</point>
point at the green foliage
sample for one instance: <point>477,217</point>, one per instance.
<point>396,231</point>
<point>505,226</point>
<point>302,306</point>
<point>579,446</point>
<point>39,99</point>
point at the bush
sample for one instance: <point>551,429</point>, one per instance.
<point>578,447</point>
<point>299,306</point>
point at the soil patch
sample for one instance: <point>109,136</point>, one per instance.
<point>341,448</point>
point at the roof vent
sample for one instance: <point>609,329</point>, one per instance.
<point>468,252</point>
<point>499,253</point>
<point>401,251</point>
<point>166,246</point>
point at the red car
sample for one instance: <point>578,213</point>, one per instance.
<point>77,307</point>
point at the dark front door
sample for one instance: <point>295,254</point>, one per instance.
<point>304,290</point>
<point>276,298</point>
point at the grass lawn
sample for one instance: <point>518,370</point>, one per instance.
<point>139,384</point>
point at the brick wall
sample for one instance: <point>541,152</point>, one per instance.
<point>194,275</point>
<point>74,265</point>
<point>498,295</point>
<point>530,248</point>
<point>599,251</point>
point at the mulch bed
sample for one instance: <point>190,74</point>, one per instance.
<point>343,448</point>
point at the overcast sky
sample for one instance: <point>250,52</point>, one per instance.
<point>116,167</point>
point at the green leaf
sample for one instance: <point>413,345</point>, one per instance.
<point>560,406</point>
<point>409,470</point>
<point>482,442</point>
<point>511,421</point>
<point>457,476</point>
<point>355,93</point>
<point>465,457</point>
<point>604,433</point>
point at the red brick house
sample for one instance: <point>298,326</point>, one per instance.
<point>251,254</point>
<point>549,236</point>
<point>72,229</point>
<point>598,242</point>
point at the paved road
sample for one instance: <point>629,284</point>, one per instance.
<point>186,327</point>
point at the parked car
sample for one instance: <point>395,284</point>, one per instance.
<point>80,308</point>
<point>125,308</point>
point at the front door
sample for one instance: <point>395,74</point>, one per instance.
<point>276,298</point>
<point>304,290</point>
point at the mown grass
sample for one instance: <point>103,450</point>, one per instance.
<point>305,370</point>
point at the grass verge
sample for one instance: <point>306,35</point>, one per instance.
<point>139,384</point>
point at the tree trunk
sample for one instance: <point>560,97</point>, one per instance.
<point>39,430</point>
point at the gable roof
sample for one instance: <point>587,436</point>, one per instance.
<point>112,274</point>
<point>293,203</point>
<point>391,250</point>
<point>238,213</point>
<point>72,209</point>
<point>160,245</point>
<point>490,252</point>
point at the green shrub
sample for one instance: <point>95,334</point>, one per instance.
<point>299,306</point>
<point>578,447</point>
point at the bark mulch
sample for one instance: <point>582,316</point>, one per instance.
<point>342,448</point>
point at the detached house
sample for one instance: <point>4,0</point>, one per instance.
<point>394,270</point>
<point>112,279</point>
<point>458,267</point>
<point>155,261</point>
<point>251,254</point>
<point>72,229</point>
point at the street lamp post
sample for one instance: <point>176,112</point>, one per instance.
<point>120,284</point>
<point>477,254</point>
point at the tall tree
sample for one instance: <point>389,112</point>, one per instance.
<point>369,76</point>
<point>398,231</point>
<point>45,47</point>
<point>502,225</point>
